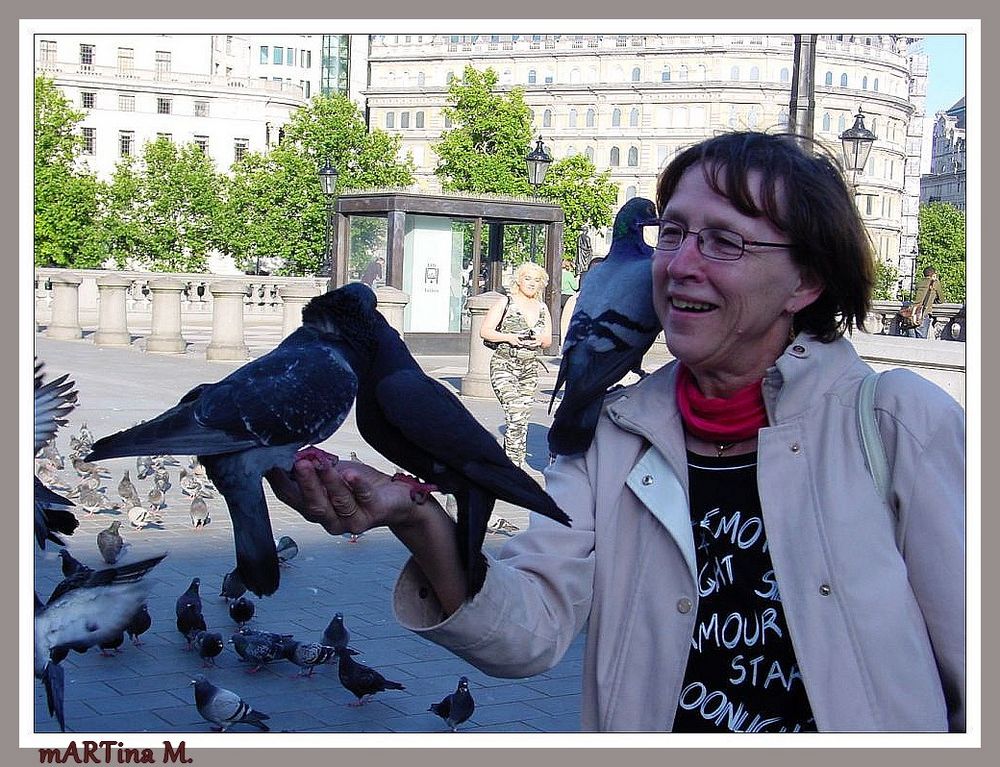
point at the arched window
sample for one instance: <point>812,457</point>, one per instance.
<point>421,79</point>
<point>783,75</point>
<point>665,75</point>
<point>420,120</point>
<point>572,118</point>
<point>828,80</point>
<point>633,157</point>
<point>447,121</point>
<point>591,118</point>
<point>841,124</point>
<point>875,85</point>
<point>547,118</point>
<point>843,80</point>
<point>754,73</point>
<point>636,75</point>
<point>575,76</point>
<point>614,161</point>
<point>827,122</point>
<point>616,117</point>
<point>734,73</point>
<point>532,77</point>
<point>864,83</point>
<point>633,118</point>
<point>589,151</point>
<point>683,73</point>
<point>404,119</point>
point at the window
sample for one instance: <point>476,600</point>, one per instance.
<point>734,73</point>
<point>290,58</point>
<point>864,83</point>
<point>548,79</point>
<point>827,121</point>
<point>404,119</point>
<point>88,99</point>
<point>263,54</point>
<point>229,43</point>
<point>163,106</point>
<point>279,55</point>
<point>419,120</point>
<point>869,204</point>
<point>614,160</point>
<point>636,74</point>
<point>240,148</point>
<point>46,51</point>
<point>532,77</point>
<point>665,75</point>
<point>783,76</point>
<point>201,109</point>
<point>162,63</point>
<point>89,140</point>
<point>126,61</point>
<point>683,73</point>
<point>165,136</point>
<point>572,118</point>
<point>630,192</point>
<point>126,103</point>
<point>754,73</point>
<point>126,142</point>
<point>591,118</point>
<point>86,57</point>
<point>633,118</point>
<point>202,143</point>
<point>841,124</point>
<point>616,118</point>
<point>309,58</point>
<point>875,85</point>
<point>828,79</point>
<point>589,151</point>
<point>390,119</point>
<point>447,121</point>
<point>421,79</point>
<point>547,118</point>
<point>843,80</point>
<point>633,156</point>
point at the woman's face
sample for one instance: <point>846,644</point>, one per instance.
<point>529,283</point>
<point>725,319</point>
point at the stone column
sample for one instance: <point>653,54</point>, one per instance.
<point>165,335</point>
<point>65,321</point>
<point>392,302</point>
<point>227,322</point>
<point>293,298</point>
<point>112,325</point>
<point>476,382</point>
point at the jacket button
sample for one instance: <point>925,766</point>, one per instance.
<point>684,605</point>
<point>648,479</point>
<point>825,590</point>
<point>799,349</point>
<point>794,447</point>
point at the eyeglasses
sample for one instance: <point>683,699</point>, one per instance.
<point>717,244</point>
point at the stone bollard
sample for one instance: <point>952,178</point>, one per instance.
<point>293,298</point>
<point>391,303</point>
<point>65,321</point>
<point>165,335</point>
<point>112,325</point>
<point>227,322</point>
<point>476,382</point>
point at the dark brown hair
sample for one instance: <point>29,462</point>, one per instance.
<point>803,193</point>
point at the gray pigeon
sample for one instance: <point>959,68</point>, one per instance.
<point>287,549</point>
<point>260,648</point>
<point>223,707</point>
<point>199,512</point>
<point>255,419</point>
<point>53,402</point>
<point>613,326</point>
<point>232,586</point>
<point>128,491</point>
<point>143,466</point>
<point>336,634</point>
<point>110,543</point>
<point>456,707</point>
<point>308,655</point>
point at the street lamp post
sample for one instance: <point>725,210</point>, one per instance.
<point>857,144</point>
<point>328,180</point>
<point>913,273</point>
<point>538,161</point>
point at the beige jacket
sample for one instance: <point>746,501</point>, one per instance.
<point>879,636</point>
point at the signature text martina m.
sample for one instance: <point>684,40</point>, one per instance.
<point>112,752</point>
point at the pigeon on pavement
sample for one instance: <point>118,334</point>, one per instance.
<point>208,645</point>
<point>308,655</point>
<point>336,634</point>
<point>259,648</point>
<point>232,585</point>
<point>127,490</point>
<point>224,708</point>
<point>110,543</point>
<point>456,707</point>
<point>139,624</point>
<point>440,442</point>
<point>360,679</point>
<point>53,402</point>
<point>241,610</point>
<point>286,548</point>
<point>255,419</point>
<point>199,512</point>
<point>611,329</point>
<point>113,645</point>
<point>190,619</point>
<point>71,565</point>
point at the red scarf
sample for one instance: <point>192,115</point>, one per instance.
<point>717,419</point>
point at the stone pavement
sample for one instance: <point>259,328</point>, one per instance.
<point>147,688</point>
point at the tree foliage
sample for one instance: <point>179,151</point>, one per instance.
<point>886,281</point>
<point>587,198</point>
<point>941,243</point>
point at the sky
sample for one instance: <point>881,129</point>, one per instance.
<point>945,71</point>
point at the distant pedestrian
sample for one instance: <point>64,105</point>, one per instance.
<point>374,272</point>
<point>570,282</point>
<point>928,294</point>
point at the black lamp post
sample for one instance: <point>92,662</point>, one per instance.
<point>538,161</point>
<point>913,273</point>
<point>857,143</point>
<point>328,179</point>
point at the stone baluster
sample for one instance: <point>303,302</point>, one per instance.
<point>227,342</point>
<point>293,298</point>
<point>112,325</point>
<point>65,322</point>
<point>391,303</point>
<point>476,382</point>
<point>165,335</point>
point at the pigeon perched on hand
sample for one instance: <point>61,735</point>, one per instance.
<point>53,402</point>
<point>440,442</point>
<point>361,680</point>
<point>255,419</point>
<point>613,326</point>
<point>224,708</point>
<point>110,543</point>
<point>456,707</point>
<point>286,548</point>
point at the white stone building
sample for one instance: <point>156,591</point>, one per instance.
<point>946,180</point>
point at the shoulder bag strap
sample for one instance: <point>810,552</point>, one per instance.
<point>871,438</point>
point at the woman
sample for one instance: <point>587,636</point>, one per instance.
<point>730,554</point>
<point>525,328</point>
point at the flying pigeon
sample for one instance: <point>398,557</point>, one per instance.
<point>440,442</point>
<point>53,402</point>
<point>255,419</point>
<point>286,548</point>
<point>208,645</point>
<point>110,543</point>
<point>611,329</point>
<point>308,655</point>
<point>190,619</point>
<point>456,707</point>
<point>361,680</point>
<point>139,624</point>
<point>232,586</point>
<point>224,708</point>
<point>85,577</point>
<point>241,610</point>
<point>336,634</point>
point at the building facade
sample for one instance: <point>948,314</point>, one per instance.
<point>632,102</point>
<point>946,181</point>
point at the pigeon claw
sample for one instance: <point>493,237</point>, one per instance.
<point>419,491</point>
<point>318,456</point>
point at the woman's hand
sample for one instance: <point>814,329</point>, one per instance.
<point>342,496</point>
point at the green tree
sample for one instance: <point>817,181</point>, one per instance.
<point>941,244</point>
<point>274,204</point>
<point>164,209</point>
<point>886,281</point>
<point>587,198</point>
<point>66,198</point>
